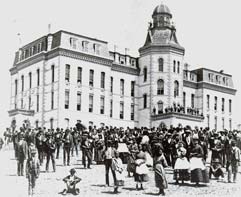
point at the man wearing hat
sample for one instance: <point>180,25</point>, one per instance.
<point>71,181</point>
<point>32,170</point>
<point>68,143</point>
<point>21,153</point>
<point>234,161</point>
<point>50,151</point>
<point>86,150</point>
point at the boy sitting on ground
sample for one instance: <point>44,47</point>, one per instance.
<point>71,181</point>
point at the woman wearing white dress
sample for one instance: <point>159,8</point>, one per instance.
<point>182,166</point>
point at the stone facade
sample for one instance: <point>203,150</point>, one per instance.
<point>63,78</point>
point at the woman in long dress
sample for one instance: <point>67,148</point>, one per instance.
<point>159,164</point>
<point>198,169</point>
<point>182,166</point>
<point>141,172</point>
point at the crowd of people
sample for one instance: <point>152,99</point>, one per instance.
<point>183,149</point>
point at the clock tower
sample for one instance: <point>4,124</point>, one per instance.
<point>161,68</point>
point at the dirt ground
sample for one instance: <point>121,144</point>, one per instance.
<point>93,180</point>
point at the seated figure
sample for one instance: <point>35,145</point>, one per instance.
<point>71,181</point>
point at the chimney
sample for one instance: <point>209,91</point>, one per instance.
<point>50,38</point>
<point>127,57</point>
<point>116,54</point>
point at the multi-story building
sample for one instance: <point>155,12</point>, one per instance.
<point>62,78</point>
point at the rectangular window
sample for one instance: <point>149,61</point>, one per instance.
<point>102,105</point>
<point>230,106</point>
<point>91,78</point>
<point>29,103</point>
<point>37,103</point>
<point>52,73</point>
<point>30,79</point>
<point>223,123</point>
<point>192,101</point>
<point>78,101</point>
<point>16,87</point>
<point>102,80</point>
<point>122,87</point>
<point>67,72</point>
<point>91,100</point>
<point>132,88</point>
<point>121,110</point>
<point>208,121</point>
<point>184,99</point>
<point>208,101</point>
<point>22,79</point>
<point>132,111</point>
<point>51,121</point>
<point>111,108</point>
<point>223,104</point>
<point>21,103</point>
<point>215,103</point>
<point>66,103</point>
<point>144,101</point>
<point>111,84</point>
<point>230,124</point>
<point>79,75</point>
<point>38,77</point>
<point>215,122</point>
<point>52,99</point>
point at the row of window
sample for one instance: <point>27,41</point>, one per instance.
<point>30,81</point>
<point>102,105</point>
<point>102,80</point>
<point>23,54</point>
<point>84,45</point>
<point>176,68</point>
<point>216,123</point>
<point>218,79</point>
<point>216,104</point>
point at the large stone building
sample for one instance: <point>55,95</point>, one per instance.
<point>62,78</point>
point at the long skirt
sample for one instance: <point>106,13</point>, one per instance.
<point>198,171</point>
<point>160,177</point>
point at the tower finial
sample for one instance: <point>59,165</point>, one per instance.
<point>49,28</point>
<point>19,40</point>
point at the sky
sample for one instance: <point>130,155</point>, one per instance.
<point>209,31</point>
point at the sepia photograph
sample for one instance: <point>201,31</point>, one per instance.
<point>120,98</point>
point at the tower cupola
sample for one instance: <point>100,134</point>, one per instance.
<point>161,16</point>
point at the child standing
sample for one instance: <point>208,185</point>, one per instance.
<point>117,166</point>
<point>32,171</point>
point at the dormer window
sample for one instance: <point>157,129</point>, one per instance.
<point>73,42</point>
<point>96,48</point>
<point>85,45</point>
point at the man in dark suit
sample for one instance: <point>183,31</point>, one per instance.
<point>21,153</point>
<point>58,140</point>
<point>50,151</point>
<point>86,150</point>
<point>188,142</point>
<point>68,143</point>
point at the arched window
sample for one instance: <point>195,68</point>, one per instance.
<point>178,67</point>
<point>160,87</point>
<point>174,66</point>
<point>145,74</point>
<point>160,64</point>
<point>160,107</point>
<point>176,88</point>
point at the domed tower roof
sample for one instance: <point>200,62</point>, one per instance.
<point>162,9</point>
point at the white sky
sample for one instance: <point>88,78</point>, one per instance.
<point>209,30</point>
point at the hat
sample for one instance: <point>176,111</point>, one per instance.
<point>72,170</point>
